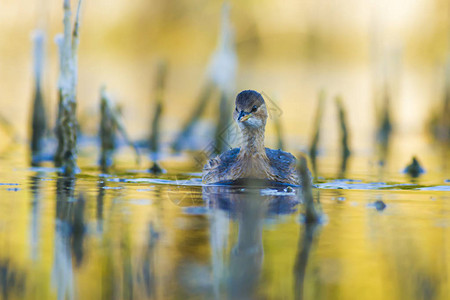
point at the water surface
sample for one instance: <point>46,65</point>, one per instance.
<point>131,235</point>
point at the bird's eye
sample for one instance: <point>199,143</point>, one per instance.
<point>237,109</point>
<point>254,108</point>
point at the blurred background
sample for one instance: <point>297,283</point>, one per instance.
<point>289,50</point>
<point>158,237</point>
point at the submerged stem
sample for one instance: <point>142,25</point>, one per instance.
<point>188,126</point>
<point>316,132</point>
<point>113,115</point>
<point>107,132</point>
<point>345,150</point>
<point>161,79</point>
<point>39,119</point>
<point>312,213</point>
<point>66,155</point>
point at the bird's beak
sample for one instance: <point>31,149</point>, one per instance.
<point>244,116</point>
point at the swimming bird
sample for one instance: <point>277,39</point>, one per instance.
<point>251,160</point>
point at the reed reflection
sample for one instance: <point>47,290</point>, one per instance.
<point>12,280</point>
<point>99,209</point>
<point>309,235</point>
<point>35,224</point>
<point>128,270</point>
<point>69,236</point>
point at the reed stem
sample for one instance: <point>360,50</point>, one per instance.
<point>107,132</point>
<point>205,96</point>
<point>345,150</point>
<point>316,132</point>
<point>66,155</point>
<point>312,212</point>
<point>160,88</point>
<point>110,123</point>
<point>39,118</point>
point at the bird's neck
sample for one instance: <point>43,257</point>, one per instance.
<point>253,142</point>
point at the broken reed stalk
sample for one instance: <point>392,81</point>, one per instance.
<point>446,111</point>
<point>443,126</point>
<point>312,212</point>
<point>161,78</point>
<point>39,122</point>
<point>316,132</point>
<point>445,119</point>
<point>188,126</point>
<point>107,132</point>
<point>58,158</point>
<point>121,128</point>
<point>384,127</point>
<point>112,122</point>
<point>221,76</point>
<point>221,134</point>
<point>345,151</point>
<point>414,169</point>
<point>439,122</point>
<point>66,157</point>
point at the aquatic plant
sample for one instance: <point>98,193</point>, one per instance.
<point>439,124</point>
<point>312,213</point>
<point>345,150</point>
<point>223,62</point>
<point>222,72</point>
<point>161,78</point>
<point>38,118</point>
<point>221,76</point>
<point>58,157</point>
<point>110,123</point>
<point>66,123</point>
<point>379,205</point>
<point>206,93</point>
<point>384,127</point>
<point>107,132</point>
<point>316,132</point>
<point>414,169</point>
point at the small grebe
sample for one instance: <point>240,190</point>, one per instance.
<point>252,160</point>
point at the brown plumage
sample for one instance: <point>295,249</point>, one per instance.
<point>252,160</point>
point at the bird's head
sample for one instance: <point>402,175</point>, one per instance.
<point>250,111</point>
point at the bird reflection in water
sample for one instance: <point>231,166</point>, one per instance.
<point>250,207</point>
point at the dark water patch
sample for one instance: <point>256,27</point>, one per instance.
<point>378,205</point>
